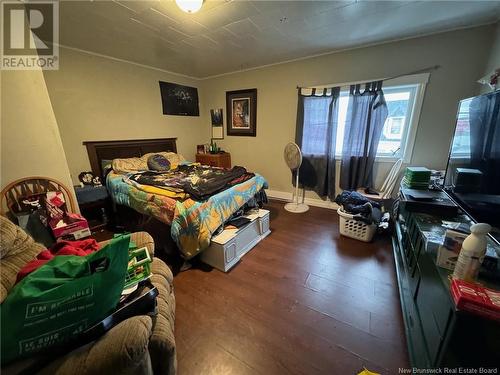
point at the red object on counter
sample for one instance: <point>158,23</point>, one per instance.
<point>476,299</point>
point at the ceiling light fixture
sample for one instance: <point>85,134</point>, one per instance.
<point>189,6</point>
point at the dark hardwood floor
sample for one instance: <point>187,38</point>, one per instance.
<point>303,301</point>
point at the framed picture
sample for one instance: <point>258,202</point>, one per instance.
<point>179,100</point>
<point>241,107</point>
<point>216,116</point>
<point>217,123</point>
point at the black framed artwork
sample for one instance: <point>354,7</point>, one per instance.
<point>241,109</point>
<point>179,100</point>
<point>217,123</point>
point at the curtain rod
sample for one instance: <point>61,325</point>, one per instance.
<point>424,70</point>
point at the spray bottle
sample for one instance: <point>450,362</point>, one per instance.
<point>472,253</point>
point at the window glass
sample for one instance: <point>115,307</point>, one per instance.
<point>399,106</point>
<point>400,103</point>
<point>315,124</point>
<point>461,141</point>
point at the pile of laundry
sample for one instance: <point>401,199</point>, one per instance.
<point>363,209</point>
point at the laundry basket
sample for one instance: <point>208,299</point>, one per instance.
<point>353,228</point>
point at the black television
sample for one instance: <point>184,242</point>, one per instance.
<point>473,172</point>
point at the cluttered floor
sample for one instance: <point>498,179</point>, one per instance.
<point>304,301</point>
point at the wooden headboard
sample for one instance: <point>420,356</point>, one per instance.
<point>109,150</point>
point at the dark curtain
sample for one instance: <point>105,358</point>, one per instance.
<point>366,115</point>
<point>317,117</point>
<point>484,119</point>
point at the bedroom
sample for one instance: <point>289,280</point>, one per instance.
<point>306,299</point>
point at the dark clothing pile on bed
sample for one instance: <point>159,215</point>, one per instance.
<point>199,181</point>
<point>362,208</point>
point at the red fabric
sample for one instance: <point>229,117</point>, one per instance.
<point>81,248</point>
<point>78,248</point>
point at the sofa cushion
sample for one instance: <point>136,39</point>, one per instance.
<point>162,343</point>
<point>16,249</point>
<point>118,351</point>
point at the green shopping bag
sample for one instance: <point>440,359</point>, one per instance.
<point>57,302</point>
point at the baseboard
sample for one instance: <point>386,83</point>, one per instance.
<point>287,197</point>
<point>279,195</point>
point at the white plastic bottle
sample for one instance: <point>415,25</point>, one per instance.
<point>472,253</point>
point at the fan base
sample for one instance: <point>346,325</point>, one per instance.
<point>296,208</point>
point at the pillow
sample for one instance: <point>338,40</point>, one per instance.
<point>129,165</point>
<point>173,158</point>
<point>141,164</point>
<point>159,163</point>
<point>106,166</point>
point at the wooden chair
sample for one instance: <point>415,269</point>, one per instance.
<point>13,193</point>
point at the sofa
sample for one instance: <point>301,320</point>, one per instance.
<point>138,345</point>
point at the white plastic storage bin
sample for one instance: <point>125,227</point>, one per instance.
<point>356,229</point>
<point>263,218</point>
<point>227,248</point>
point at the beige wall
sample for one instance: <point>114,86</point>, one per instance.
<point>96,98</point>
<point>30,141</point>
<point>461,54</point>
<point>493,61</point>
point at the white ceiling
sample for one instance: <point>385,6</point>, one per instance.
<point>226,36</point>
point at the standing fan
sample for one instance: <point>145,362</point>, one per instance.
<point>293,158</point>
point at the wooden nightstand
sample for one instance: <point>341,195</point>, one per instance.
<point>222,160</point>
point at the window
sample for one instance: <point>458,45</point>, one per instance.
<point>461,141</point>
<point>400,102</point>
<point>403,103</point>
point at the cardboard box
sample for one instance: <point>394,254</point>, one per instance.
<point>447,254</point>
<point>476,299</point>
<point>71,226</point>
<point>446,258</point>
<point>433,240</point>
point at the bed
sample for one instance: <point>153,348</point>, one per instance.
<point>191,223</point>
